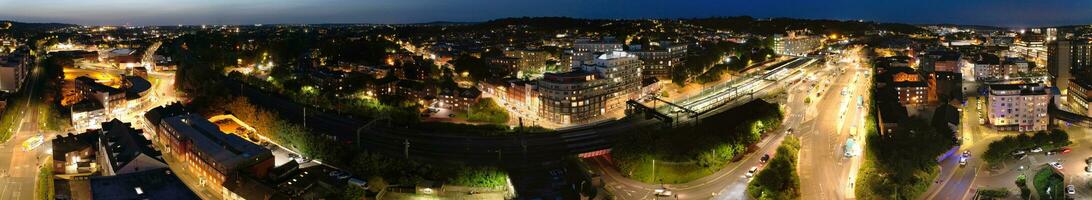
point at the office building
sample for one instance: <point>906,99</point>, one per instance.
<point>1066,59</point>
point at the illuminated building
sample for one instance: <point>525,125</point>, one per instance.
<point>597,88</point>
<point>1018,107</point>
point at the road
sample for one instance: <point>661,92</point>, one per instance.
<point>825,171</point>
<point>19,168</point>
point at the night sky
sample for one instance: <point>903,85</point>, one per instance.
<point>1012,13</point>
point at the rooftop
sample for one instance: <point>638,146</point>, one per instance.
<point>125,143</point>
<point>151,184</point>
<point>1025,89</point>
<point>228,151</point>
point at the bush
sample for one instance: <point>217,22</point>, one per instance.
<point>997,193</point>
<point>1047,178</point>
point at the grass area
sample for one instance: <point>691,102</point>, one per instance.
<point>52,119</point>
<point>1046,178</point>
<point>681,157</point>
<point>779,180</point>
<point>44,189</point>
<point>12,113</point>
<point>485,111</point>
<point>665,172</point>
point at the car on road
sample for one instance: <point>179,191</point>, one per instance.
<point>1070,189</point>
<point>963,159</point>
<point>664,192</point>
<point>1088,169</point>
<point>789,131</point>
<point>764,158</point>
<point>751,172</point>
<point>1056,165</point>
<point>33,142</point>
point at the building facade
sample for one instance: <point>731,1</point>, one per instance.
<point>1080,92</point>
<point>585,50</point>
<point>1018,107</point>
<point>796,45</point>
<point>660,59</point>
<point>591,91</point>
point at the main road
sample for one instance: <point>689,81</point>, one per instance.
<point>825,170</point>
<point>18,167</point>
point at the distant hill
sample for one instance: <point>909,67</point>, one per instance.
<point>19,29</point>
<point>749,24</point>
<point>745,24</point>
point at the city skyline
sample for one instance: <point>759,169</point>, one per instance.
<point>121,12</point>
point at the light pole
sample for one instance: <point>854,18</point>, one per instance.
<point>406,151</point>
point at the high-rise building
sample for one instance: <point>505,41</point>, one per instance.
<point>1018,107</point>
<point>1067,58</point>
<point>596,88</point>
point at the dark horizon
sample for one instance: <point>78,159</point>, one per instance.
<point>1004,13</point>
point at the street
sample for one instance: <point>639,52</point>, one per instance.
<point>825,171</point>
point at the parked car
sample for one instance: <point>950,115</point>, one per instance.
<point>1037,150</point>
<point>1056,165</point>
<point>1070,189</point>
<point>1064,150</point>
<point>751,172</point>
<point>1019,152</point>
<point>1088,169</point>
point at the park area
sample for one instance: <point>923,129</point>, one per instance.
<point>688,152</point>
